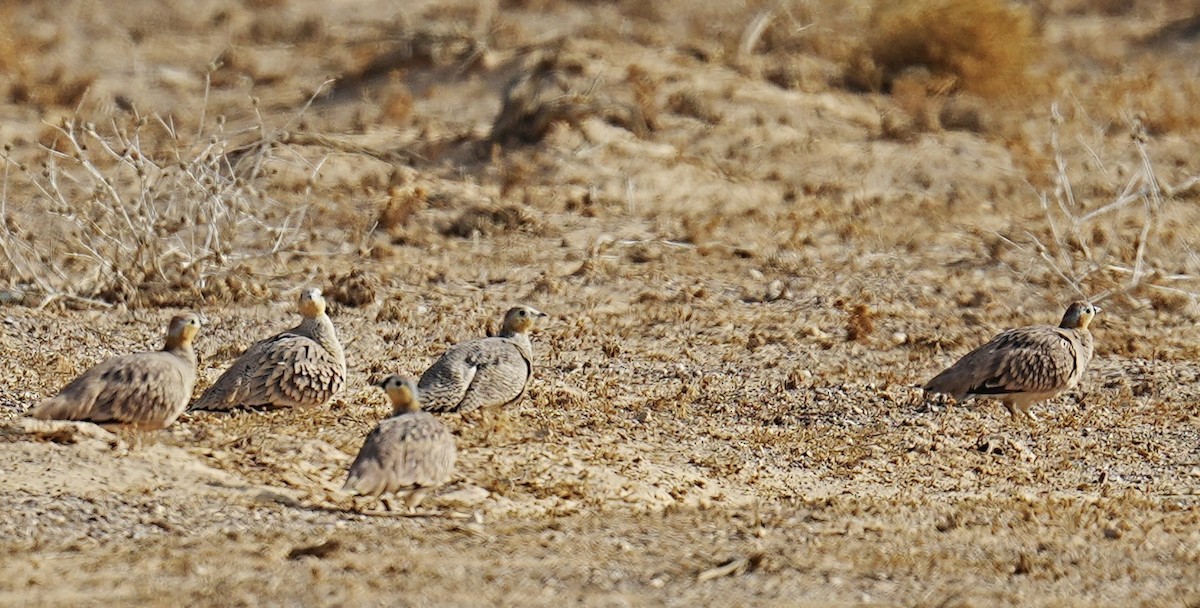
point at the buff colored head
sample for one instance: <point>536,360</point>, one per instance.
<point>520,319</point>
<point>1079,315</point>
<point>403,394</point>
<point>182,330</point>
<point>312,303</point>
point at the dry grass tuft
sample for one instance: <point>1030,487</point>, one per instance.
<point>401,205</point>
<point>480,220</point>
<point>986,45</point>
<point>355,288</point>
<point>861,322</point>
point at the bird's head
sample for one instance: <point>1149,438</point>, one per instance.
<point>520,319</point>
<point>312,303</point>
<point>402,392</point>
<point>1079,315</point>
<point>183,330</point>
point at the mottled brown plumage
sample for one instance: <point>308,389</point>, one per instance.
<point>148,390</point>
<point>488,372</point>
<point>301,367</point>
<point>1023,366</point>
<point>407,454</point>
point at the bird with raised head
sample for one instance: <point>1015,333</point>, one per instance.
<point>301,367</point>
<point>148,390</point>
<point>1023,366</point>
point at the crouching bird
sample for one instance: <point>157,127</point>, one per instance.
<point>148,390</point>
<point>302,367</point>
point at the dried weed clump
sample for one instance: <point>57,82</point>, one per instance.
<point>104,219</point>
<point>481,220</point>
<point>1130,239</point>
<point>987,46</point>
<point>556,88</point>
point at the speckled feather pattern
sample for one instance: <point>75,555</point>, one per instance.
<point>407,452</point>
<point>1023,366</point>
<point>148,389</point>
<point>488,372</point>
<point>302,367</point>
<point>1042,359</point>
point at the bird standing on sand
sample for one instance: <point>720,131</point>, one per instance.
<point>409,453</point>
<point>301,367</point>
<point>1023,366</point>
<point>483,373</point>
<point>147,390</point>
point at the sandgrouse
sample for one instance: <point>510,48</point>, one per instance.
<point>486,372</point>
<point>407,454</point>
<point>148,390</point>
<point>1023,366</point>
<point>301,367</point>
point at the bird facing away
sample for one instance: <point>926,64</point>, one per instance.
<point>409,453</point>
<point>483,373</point>
<point>148,390</point>
<point>301,367</point>
<point>1023,366</point>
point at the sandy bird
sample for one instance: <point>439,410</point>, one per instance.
<point>408,454</point>
<point>1023,366</point>
<point>148,390</point>
<point>483,373</point>
<point>301,367</point>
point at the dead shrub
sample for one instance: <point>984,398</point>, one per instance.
<point>480,220</point>
<point>555,90</point>
<point>355,288</point>
<point>139,214</point>
<point>986,45</point>
<point>1115,239</point>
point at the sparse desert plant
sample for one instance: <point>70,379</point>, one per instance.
<point>555,89</point>
<point>986,45</point>
<point>136,210</point>
<point>1136,244</point>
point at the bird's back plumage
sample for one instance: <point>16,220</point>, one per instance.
<point>404,453</point>
<point>1041,359</point>
<point>301,367</point>
<point>1025,365</point>
<point>147,389</point>
<point>481,373</point>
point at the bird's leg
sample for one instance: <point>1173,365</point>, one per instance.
<point>1012,410</point>
<point>387,504</point>
<point>414,498</point>
<point>489,420</point>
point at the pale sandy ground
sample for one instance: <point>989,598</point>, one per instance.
<point>746,283</point>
